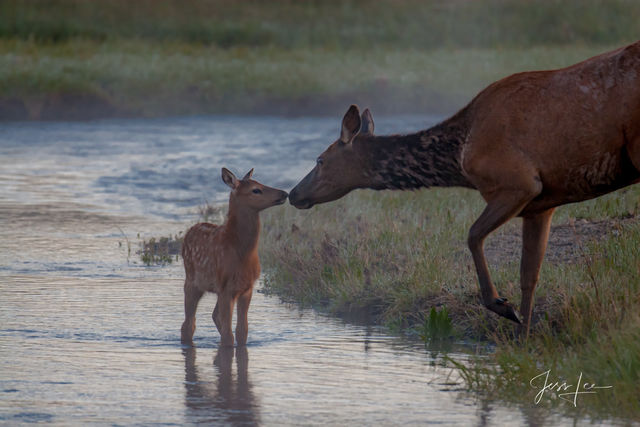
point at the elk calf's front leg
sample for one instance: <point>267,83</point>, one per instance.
<point>242,322</point>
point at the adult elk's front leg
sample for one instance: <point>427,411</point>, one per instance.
<point>500,208</point>
<point>535,234</point>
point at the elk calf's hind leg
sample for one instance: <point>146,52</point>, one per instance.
<point>191,298</point>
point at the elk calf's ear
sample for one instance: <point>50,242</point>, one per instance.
<point>350,124</point>
<point>367,122</point>
<point>248,175</point>
<point>229,178</point>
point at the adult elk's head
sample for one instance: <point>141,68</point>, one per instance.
<point>338,170</point>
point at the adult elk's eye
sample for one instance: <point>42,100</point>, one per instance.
<point>257,191</point>
<point>319,161</point>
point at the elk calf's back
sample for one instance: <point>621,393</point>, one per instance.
<point>224,259</point>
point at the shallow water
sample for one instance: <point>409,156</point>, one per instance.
<point>88,335</point>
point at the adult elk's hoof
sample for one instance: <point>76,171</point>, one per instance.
<point>502,307</point>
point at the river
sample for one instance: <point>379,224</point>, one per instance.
<point>91,336</point>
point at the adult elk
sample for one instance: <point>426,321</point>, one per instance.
<point>528,143</point>
<point>224,259</point>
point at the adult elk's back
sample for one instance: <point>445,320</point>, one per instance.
<point>224,259</point>
<point>528,143</point>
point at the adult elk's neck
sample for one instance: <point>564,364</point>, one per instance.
<point>428,158</point>
<point>243,229</point>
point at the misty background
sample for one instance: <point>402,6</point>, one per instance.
<point>83,59</point>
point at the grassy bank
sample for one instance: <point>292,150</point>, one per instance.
<point>80,59</point>
<point>143,79</point>
<point>362,24</point>
<point>398,254</point>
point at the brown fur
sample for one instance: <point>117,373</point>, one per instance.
<point>224,259</point>
<point>528,143</point>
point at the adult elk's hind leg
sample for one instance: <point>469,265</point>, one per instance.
<point>192,296</point>
<point>500,208</point>
<point>535,235</point>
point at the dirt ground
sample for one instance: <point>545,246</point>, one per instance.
<point>568,243</point>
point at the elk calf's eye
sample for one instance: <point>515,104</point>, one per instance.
<point>319,161</point>
<point>257,191</point>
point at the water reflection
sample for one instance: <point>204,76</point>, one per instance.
<point>532,416</point>
<point>231,399</point>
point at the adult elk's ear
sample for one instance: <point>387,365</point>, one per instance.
<point>350,124</point>
<point>248,175</point>
<point>229,178</point>
<point>367,125</point>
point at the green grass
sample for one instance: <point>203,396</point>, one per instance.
<point>145,79</point>
<point>333,24</point>
<point>405,253</point>
<point>161,251</point>
<point>437,326</point>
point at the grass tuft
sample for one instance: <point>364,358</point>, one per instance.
<point>437,326</point>
<point>161,251</point>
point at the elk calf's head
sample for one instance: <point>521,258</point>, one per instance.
<point>251,194</point>
<point>338,170</point>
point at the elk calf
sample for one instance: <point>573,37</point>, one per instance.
<point>224,259</point>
